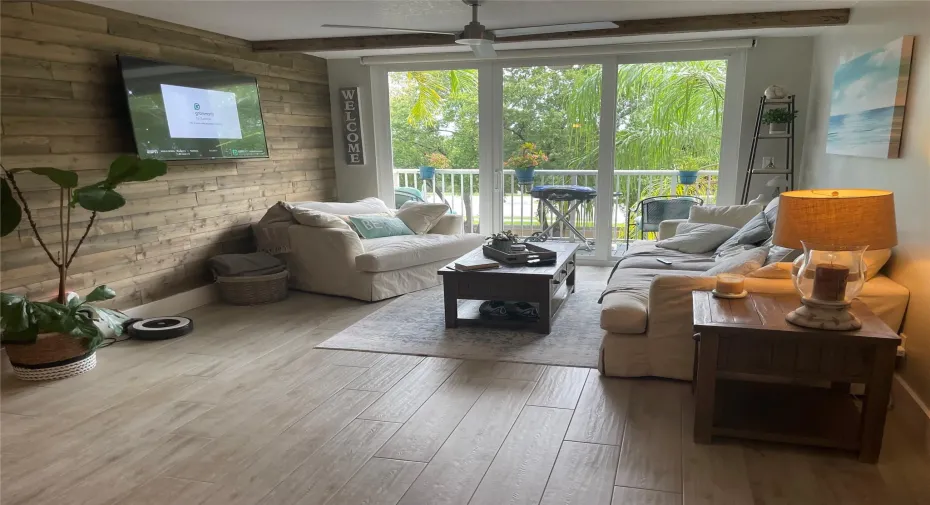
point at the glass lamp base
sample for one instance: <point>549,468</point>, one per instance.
<point>824,316</point>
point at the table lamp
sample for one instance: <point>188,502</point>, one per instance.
<point>834,227</point>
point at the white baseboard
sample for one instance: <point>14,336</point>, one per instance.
<point>176,304</point>
<point>913,411</point>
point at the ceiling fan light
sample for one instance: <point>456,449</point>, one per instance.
<point>469,42</point>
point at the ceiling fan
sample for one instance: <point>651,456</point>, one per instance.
<point>481,40</point>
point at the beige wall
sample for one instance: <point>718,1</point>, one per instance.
<point>775,60</point>
<point>63,106</point>
<point>908,177</point>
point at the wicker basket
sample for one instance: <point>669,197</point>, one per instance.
<point>52,356</point>
<point>253,290</point>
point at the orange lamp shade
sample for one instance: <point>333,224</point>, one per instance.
<point>832,219</point>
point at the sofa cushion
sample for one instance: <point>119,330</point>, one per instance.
<point>318,218</point>
<point>753,233</point>
<point>366,206</point>
<point>743,263</point>
<point>644,254</point>
<point>625,300</point>
<point>394,253</point>
<point>697,237</point>
<point>420,216</point>
<point>730,215</point>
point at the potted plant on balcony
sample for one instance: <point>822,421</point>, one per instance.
<point>688,167</point>
<point>58,338</point>
<point>433,161</point>
<point>778,120</point>
<point>524,163</point>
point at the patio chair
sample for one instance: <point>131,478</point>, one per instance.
<point>656,209</point>
<point>403,195</point>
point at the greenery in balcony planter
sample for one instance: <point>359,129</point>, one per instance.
<point>778,116</point>
<point>525,161</point>
<point>22,319</point>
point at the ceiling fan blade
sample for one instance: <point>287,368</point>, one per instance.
<point>407,30</point>
<point>541,29</point>
<point>484,50</point>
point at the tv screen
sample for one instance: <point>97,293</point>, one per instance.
<point>187,113</point>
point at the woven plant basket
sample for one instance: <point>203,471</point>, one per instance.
<point>52,356</point>
<point>253,290</point>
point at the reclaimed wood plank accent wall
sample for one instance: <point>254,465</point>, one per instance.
<point>62,105</point>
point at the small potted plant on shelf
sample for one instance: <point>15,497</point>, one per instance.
<point>778,120</point>
<point>433,161</point>
<point>503,241</point>
<point>524,163</point>
<point>58,338</point>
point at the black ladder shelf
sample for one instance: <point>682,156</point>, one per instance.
<point>788,137</point>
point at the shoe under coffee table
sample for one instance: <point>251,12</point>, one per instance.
<point>538,285</point>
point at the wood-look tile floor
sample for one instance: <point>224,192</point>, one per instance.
<point>245,411</point>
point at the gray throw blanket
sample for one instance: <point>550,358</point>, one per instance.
<point>243,265</point>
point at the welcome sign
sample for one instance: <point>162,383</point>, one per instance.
<point>352,126</point>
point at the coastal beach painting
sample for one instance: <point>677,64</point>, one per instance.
<point>868,101</point>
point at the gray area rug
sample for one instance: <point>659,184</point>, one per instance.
<point>414,324</point>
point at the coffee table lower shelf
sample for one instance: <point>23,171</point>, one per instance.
<point>786,413</point>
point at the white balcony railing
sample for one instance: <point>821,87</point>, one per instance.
<point>522,214</point>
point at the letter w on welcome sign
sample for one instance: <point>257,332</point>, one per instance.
<point>352,126</point>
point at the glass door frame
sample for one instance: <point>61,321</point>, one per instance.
<point>491,128</point>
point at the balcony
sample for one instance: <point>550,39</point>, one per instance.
<point>523,215</point>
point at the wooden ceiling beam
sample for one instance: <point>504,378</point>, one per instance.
<point>353,43</point>
<point>697,24</point>
<point>687,24</point>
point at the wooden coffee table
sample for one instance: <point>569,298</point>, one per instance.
<point>756,375</point>
<point>537,285</point>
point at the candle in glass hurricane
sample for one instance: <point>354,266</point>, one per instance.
<point>830,283</point>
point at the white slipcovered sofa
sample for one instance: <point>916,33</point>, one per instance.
<point>335,260</point>
<point>646,312</point>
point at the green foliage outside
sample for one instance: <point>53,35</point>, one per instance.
<point>668,115</point>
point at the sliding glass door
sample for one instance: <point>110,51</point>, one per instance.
<point>482,136</point>
<point>434,139</point>
<point>669,124</point>
<point>550,128</point>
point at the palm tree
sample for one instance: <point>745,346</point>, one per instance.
<point>433,87</point>
<point>665,112</point>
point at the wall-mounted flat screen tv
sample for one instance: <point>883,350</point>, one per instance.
<point>187,113</point>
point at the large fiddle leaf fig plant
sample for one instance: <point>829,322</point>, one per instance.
<point>22,319</point>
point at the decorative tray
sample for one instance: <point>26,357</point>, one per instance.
<point>533,256</point>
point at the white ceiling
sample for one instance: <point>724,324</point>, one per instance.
<point>275,19</point>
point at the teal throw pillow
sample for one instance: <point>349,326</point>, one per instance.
<point>379,226</point>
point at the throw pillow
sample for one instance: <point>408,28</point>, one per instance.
<point>753,233</point>
<point>771,213</point>
<point>773,271</point>
<point>730,215</point>
<point>697,238</point>
<point>779,254</point>
<point>874,261</point>
<point>318,219</point>
<point>743,263</point>
<point>420,216</point>
<point>379,226</point>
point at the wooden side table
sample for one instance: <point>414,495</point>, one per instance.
<point>753,372</point>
